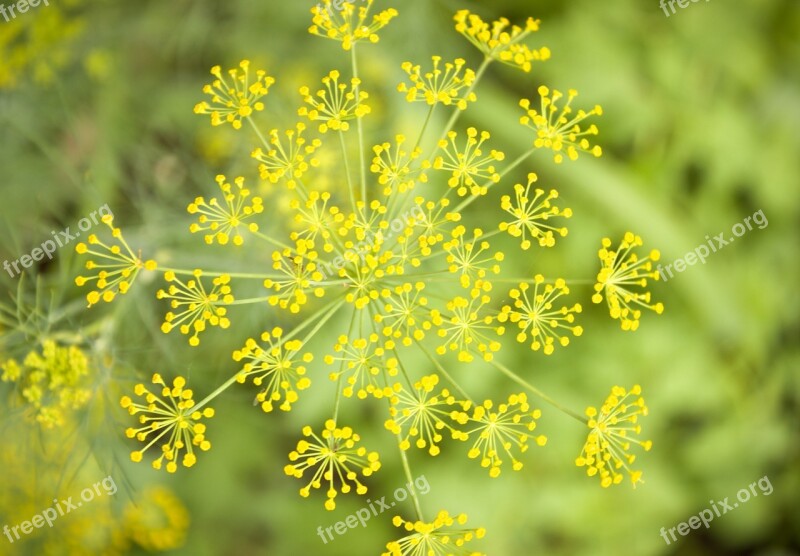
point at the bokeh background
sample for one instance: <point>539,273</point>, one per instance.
<point>699,131</point>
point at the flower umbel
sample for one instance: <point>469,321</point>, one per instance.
<point>623,270</point>
<point>468,163</point>
<point>560,131</point>
<point>235,100</point>
<point>440,86</point>
<point>500,431</point>
<point>536,317</point>
<point>531,214</point>
<point>170,420</point>
<point>197,305</point>
<point>336,460</point>
<point>222,222</point>
<point>499,43</point>
<point>434,538</point>
<point>334,105</point>
<point>613,430</point>
<point>349,24</point>
<point>117,270</point>
<point>278,364</point>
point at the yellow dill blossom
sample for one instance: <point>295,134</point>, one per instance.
<point>116,269</point>
<point>421,416</point>
<point>158,521</point>
<point>536,316</point>
<point>500,431</point>
<point>197,306</point>
<point>532,213</point>
<point>393,167</point>
<point>364,361</point>
<point>277,367</point>
<point>293,287</point>
<point>404,314</point>
<point>336,460</point>
<point>52,383</point>
<point>613,430</point>
<point>466,330</point>
<point>440,86</point>
<point>334,105</point>
<point>347,23</point>
<point>498,42</point>
<point>561,131</point>
<point>291,158</point>
<point>317,220</point>
<point>169,418</point>
<point>622,271</point>
<point>222,222</point>
<point>434,538</point>
<point>468,164</point>
<point>470,259</point>
<point>235,98</point>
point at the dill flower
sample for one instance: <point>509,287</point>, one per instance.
<point>169,418</point>
<point>498,42</point>
<point>116,270</point>
<point>440,86</point>
<point>500,430</point>
<point>52,383</point>
<point>350,24</point>
<point>468,163</point>
<point>470,260</point>
<point>465,330</point>
<point>393,167</point>
<point>224,221</point>
<point>292,157</point>
<point>234,100</point>
<point>365,361</point>
<point>336,105</point>
<point>404,316</point>
<point>536,316</point>
<point>294,284</point>
<point>421,416</point>
<point>277,367</point>
<point>561,131</point>
<point>435,537</point>
<point>158,521</point>
<point>198,306</point>
<point>531,213</point>
<point>622,271</point>
<point>613,430</point>
<point>335,458</point>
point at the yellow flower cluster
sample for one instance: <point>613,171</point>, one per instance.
<point>277,368</point>
<point>224,221</point>
<point>234,100</point>
<point>622,271</point>
<point>497,43</point>
<point>531,214</point>
<point>349,24</point>
<point>440,86</point>
<point>613,430</point>
<point>197,306</point>
<point>561,131</point>
<point>336,105</point>
<point>336,459</point>
<point>52,383</point>
<point>434,537</point>
<point>169,416</point>
<point>116,270</point>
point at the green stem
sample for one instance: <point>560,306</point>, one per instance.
<point>360,129</point>
<point>347,171</point>
<point>516,378</point>
<point>444,372</point>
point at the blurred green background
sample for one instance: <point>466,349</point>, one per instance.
<point>699,131</point>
